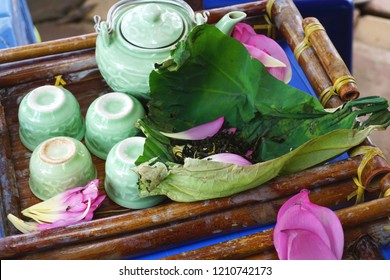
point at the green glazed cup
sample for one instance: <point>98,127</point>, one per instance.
<point>121,183</point>
<point>46,112</point>
<point>110,119</point>
<point>58,164</point>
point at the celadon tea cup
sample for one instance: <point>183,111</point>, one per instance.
<point>111,118</point>
<point>58,164</point>
<point>46,112</point>
<point>121,183</point>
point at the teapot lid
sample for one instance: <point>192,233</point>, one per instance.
<point>152,26</point>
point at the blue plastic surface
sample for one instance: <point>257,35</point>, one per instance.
<point>335,15</point>
<point>16,27</point>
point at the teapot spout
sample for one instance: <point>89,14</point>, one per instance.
<point>227,22</point>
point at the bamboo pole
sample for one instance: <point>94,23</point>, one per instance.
<point>48,48</point>
<point>288,21</point>
<point>332,61</point>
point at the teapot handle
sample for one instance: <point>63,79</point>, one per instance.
<point>103,28</point>
<point>202,17</point>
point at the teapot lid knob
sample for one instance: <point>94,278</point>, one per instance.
<point>151,13</point>
<point>152,26</point>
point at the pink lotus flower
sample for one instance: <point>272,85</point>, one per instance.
<point>266,50</point>
<point>67,208</point>
<point>199,132</point>
<point>306,231</point>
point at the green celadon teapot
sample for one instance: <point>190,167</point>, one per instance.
<point>139,33</point>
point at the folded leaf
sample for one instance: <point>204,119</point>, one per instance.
<point>201,179</point>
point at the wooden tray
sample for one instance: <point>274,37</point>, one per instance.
<point>116,232</point>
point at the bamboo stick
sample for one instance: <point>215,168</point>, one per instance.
<point>331,61</point>
<point>47,48</point>
<point>288,21</point>
<point>255,244</point>
<point>181,232</point>
<point>175,212</point>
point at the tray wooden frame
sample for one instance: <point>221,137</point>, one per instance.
<point>116,232</point>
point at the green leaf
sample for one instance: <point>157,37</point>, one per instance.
<point>212,75</point>
<point>219,78</point>
<point>202,179</point>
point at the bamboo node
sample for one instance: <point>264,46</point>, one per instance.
<point>268,7</point>
<point>369,153</point>
<point>309,29</point>
<point>343,80</point>
<point>59,81</point>
<point>335,89</point>
<point>326,94</point>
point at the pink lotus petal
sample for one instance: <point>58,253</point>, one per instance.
<point>66,208</point>
<point>252,41</point>
<point>306,245</point>
<point>242,32</point>
<point>231,130</point>
<point>299,199</point>
<point>332,226</point>
<point>199,132</point>
<point>300,215</point>
<point>67,220</point>
<point>229,158</point>
<point>249,153</point>
<point>94,206</point>
<point>297,217</point>
<point>22,226</point>
<point>326,216</point>
<point>263,57</point>
<point>91,190</point>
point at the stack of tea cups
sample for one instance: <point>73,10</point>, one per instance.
<point>51,125</point>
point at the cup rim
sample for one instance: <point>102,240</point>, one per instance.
<point>32,99</point>
<point>103,100</point>
<point>120,149</point>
